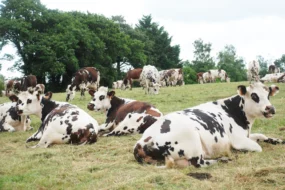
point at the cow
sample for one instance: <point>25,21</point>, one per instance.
<point>253,71</point>
<point>174,77</point>
<point>273,69</point>
<point>163,79</point>
<point>87,77</point>
<point>121,113</point>
<point>28,82</point>
<point>132,75</point>
<point>274,77</point>
<point>207,77</point>
<point>117,84</point>
<point>61,122</point>
<point>12,87</point>
<point>200,77</point>
<point>209,130</point>
<point>150,79</point>
<point>9,119</point>
<point>40,88</point>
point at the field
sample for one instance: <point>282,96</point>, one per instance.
<point>110,164</point>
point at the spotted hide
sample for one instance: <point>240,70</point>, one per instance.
<point>9,119</point>
<point>150,79</point>
<point>199,135</point>
<point>123,116</point>
<point>61,122</point>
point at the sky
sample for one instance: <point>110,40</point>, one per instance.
<point>253,27</point>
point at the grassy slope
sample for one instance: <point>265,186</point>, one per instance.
<point>109,164</point>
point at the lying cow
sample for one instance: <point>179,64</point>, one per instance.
<point>150,79</point>
<point>121,113</point>
<point>208,130</point>
<point>9,119</point>
<point>274,77</point>
<point>61,122</point>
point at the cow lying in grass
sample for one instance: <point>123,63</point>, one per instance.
<point>9,119</point>
<point>117,110</point>
<point>209,130</point>
<point>61,122</point>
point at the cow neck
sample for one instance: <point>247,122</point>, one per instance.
<point>47,107</point>
<point>234,108</point>
<point>115,104</point>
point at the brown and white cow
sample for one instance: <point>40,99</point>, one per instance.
<point>214,74</point>
<point>174,77</point>
<point>200,77</point>
<point>273,69</point>
<point>40,88</point>
<point>132,75</point>
<point>9,119</point>
<point>87,77</point>
<point>61,122</point>
<point>124,116</point>
<point>12,87</point>
<point>28,82</point>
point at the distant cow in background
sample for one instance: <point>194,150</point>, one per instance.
<point>253,71</point>
<point>162,74</point>
<point>214,74</point>
<point>132,75</point>
<point>274,77</point>
<point>40,88</point>
<point>174,77</point>
<point>117,84</point>
<point>207,77</point>
<point>150,79</point>
<point>12,86</point>
<point>28,82</point>
<point>273,69</point>
<point>87,77</point>
<point>200,77</point>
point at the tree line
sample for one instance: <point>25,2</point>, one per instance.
<point>53,45</point>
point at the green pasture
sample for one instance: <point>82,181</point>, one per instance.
<point>110,164</point>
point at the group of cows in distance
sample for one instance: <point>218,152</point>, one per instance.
<point>198,136</point>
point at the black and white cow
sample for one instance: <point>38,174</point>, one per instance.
<point>209,130</point>
<point>150,79</point>
<point>124,116</point>
<point>9,119</point>
<point>61,122</point>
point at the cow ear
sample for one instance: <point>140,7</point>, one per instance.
<point>273,90</point>
<point>241,90</point>
<point>48,95</point>
<point>13,98</point>
<point>91,92</point>
<point>111,94</point>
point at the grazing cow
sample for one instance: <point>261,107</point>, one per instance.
<point>61,122</point>
<point>209,130</point>
<point>273,69</point>
<point>174,77</point>
<point>200,77</point>
<point>122,112</point>
<point>117,84</point>
<point>12,87</point>
<point>274,77</point>
<point>132,75</point>
<point>28,82</point>
<point>87,77</point>
<point>253,71</point>
<point>150,79</point>
<point>163,79</point>
<point>9,119</point>
<point>207,77</point>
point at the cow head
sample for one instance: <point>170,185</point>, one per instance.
<point>256,98</point>
<point>101,99</point>
<point>70,92</point>
<point>30,103</point>
<point>223,75</point>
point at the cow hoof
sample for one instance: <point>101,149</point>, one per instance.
<point>224,159</point>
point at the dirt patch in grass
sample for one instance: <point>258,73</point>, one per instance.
<point>200,176</point>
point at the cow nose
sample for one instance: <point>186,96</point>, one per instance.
<point>90,106</point>
<point>270,109</point>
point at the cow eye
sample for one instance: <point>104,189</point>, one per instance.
<point>101,97</point>
<point>255,97</point>
<point>19,101</point>
<point>29,101</point>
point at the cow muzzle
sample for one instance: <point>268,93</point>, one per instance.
<point>90,106</point>
<point>269,111</point>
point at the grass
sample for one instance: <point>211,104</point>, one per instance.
<point>109,163</point>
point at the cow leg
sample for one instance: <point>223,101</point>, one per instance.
<point>245,144</point>
<point>8,127</point>
<point>260,137</point>
<point>106,126</point>
<point>131,83</point>
<point>82,93</point>
<point>26,123</point>
<point>37,135</point>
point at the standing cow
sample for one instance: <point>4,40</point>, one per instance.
<point>253,71</point>
<point>61,122</point>
<point>174,77</point>
<point>209,130</point>
<point>150,79</point>
<point>118,84</point>
<point>132,75</point>
<point>28,82</point>
<point>273,69</point>
<point>12,87</point>
<point>87,77</point>
<point>124,116</point>
<point>200,77</point>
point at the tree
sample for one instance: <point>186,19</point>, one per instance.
<point>233,65</point>
<point>202,56</point>
<point>263,65</point>
<point>157,45</point>
<point>280,63</point>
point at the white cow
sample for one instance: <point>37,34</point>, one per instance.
<point>253,69</point>
<point>118,84</point>
<point>271,77</point>
<point>150,79</point>
<point>209,130</point>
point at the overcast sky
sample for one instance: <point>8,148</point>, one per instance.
<point>254,27</point>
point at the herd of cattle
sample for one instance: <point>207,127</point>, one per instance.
<point>197,136</point>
